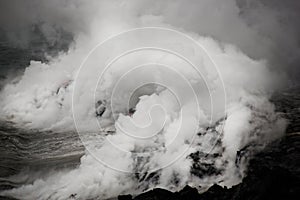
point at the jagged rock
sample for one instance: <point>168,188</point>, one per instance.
<point>100,108</point>
<point>273,174</point>
<point>125,197</point>
<point>156,194</point>
<point>188,193</point>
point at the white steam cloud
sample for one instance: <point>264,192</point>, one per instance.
<point>185,137</point>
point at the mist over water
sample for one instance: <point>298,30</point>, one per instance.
<point>150,119</point>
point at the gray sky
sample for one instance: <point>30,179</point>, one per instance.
<point>263,29</point>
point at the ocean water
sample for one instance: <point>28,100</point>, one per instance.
<point>35,153</point>
<point>28,155</point>
<point>24,151</point>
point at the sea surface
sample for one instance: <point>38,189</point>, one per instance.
<point>26,155</point>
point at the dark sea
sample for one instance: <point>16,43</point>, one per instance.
<point>26,155</point>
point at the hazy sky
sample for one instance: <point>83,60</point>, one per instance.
<point>263,29</point>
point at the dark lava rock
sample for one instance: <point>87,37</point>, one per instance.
<point>272,174</point>
<point>156,194</point>
<point>188,193</point>
<point>125,197</point>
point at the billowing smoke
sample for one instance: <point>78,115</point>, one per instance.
<point>150,119</point>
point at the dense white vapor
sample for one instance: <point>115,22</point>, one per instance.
<point>261,28</point>
<point>42,98</point>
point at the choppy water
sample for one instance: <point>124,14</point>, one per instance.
<point>35,153</point>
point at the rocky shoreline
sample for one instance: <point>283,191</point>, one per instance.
<point>272,174</point>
